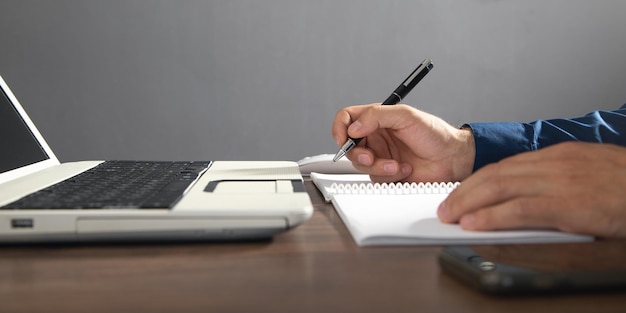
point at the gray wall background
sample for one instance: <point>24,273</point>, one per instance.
<point>263,79</point>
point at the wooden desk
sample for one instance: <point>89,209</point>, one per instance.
<point>315,267</point>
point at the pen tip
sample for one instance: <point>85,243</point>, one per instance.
<point>338,156</point>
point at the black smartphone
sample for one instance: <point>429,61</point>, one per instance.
<point>538,268</point>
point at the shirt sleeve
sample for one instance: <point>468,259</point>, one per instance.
<point>495,141</point>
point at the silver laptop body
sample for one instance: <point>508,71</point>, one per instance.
<point>228,200</point>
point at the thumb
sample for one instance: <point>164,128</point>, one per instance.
<point>377,117</point>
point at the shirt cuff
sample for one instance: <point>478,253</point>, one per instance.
<point>499,140</point>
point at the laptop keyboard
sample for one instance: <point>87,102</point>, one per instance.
<point>118,184</point>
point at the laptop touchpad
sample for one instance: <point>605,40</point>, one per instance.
<point>243,187</point>
<point>251,186</point>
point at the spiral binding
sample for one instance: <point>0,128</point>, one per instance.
<point>393,188</point>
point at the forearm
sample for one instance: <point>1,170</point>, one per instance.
<point>499,140</point>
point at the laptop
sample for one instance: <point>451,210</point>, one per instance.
<point>43,200</point>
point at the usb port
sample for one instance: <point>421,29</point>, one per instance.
<point>22,223</point>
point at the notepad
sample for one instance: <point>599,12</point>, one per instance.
<point>406,214</point>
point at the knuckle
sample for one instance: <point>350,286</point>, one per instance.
<point>497,186</point>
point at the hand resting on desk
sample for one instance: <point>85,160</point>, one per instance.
<point>573,186</point>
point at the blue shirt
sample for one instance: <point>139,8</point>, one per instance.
<point>498,140</point>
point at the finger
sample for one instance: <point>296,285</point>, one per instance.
<point>376,145</point>
<point>524,212</point>
<point>339,129</point>
<point>488,192</point>
<point>383,145</point>
<point>374,117</point>
<point>380,170</point>
<point>400,177</point>
<point>509,176</point>
<point>390,171</point>
<point>343,119</point>
<point>361,157</point>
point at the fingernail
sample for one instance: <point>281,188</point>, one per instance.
<point>443,212</point>
<point>406,169</point>
<point>390,168</point>
<point>354,127</point>
<point>364,159</point>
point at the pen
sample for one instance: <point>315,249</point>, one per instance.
<point>395,97</point>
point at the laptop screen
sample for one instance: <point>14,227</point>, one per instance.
<point>18,145</point>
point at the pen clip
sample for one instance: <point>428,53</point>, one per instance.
<point>427,63</point>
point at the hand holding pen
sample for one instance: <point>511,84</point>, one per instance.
<point>395,97</point>
<point>405,144</point>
